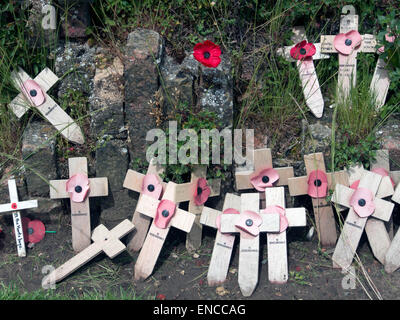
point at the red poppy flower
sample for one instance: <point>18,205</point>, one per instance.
<point>78,186</point>
<point>362,202</point>
<point>303,50</point>
<point>388,39</point>
<point>202,192</point>
<point>207,53</point>
<point>345,43</point>
<point>164,214</point>
<point>161,296</point>
<point>284,223</point>
<point>266,178</point>
<point>250,222</point>
<point>317,184</point>
<point>151,186</point>
<point>33,230</point>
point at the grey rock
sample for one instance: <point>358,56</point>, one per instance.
<point>389,135</point>
<point>316,138</point>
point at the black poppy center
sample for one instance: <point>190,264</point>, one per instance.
<point>30,230</point>
<point>206,55</point>
<point>317,183</point>
<point>199,190</point>
<point>249,222</point>
<point>303,51</point>
<point>78,189</point>
<point>33,93</point>
<point>265,179</point>
<point>348,42</point>
<point>165,213</point>
<point>361,202</point>
<point>150,187</point>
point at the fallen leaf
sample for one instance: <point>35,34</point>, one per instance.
<point>196,256</point>
<point>221,291</point>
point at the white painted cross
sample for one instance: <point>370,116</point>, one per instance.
<point>165,215</point>
<point>249,223</point>
<point>308,76</point>
<point>276,241</point>
<point>33,94</point>
<point>222,251</point>
<point>138,182</point>
<point>363,205</point>
<point>187,192</point>
<point>103,241</point>
<point>323,213</point>
<point>80,209</point>
<point>14,207</point>
<point>347,76</point>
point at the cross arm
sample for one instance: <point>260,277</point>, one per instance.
<point>19,104</point>
<point>368,44</point>
<point>46,79</point>
<point>270,223</point>
<point>22,205</point>
<point>296,217</point>
<point>185,191</point>
<point>209,217</point>
<point>98,188</point>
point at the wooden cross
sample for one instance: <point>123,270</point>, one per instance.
<point>392,256</point>
<point>14,207</point>
<point>134,181</point>
<point>261,160</point>
<point>165,215</point>
<point>348,63</point>
<point>249,251</point>
<point>80,211</point>
<point>103,241</point>
<point>307,73</point>
<point>185,192</point>
<point>223,245</point>
<point>30,90</point>
<point>277,246</point>
<point>354,224</point>
<point>323,213</point>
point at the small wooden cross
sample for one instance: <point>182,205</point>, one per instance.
<point>249,223</point>
<point>135,181</point>
<point>14,207</point>
<point>103,241</point>
<point>80,210</point>
<point>223,245</point>
<point>165,215</point>
<point>186,192</point>
<point>277,246</point>
<point>359,201</point>
<point>307,73</point>
<point>33,94</point>
<point>323,213</point>
<point>348,62</point>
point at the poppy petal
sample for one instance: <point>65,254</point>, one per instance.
<point>164,214</point>
<point>36,231</point>
<point>33,92</point>
<point>151,186</point>
<point>202,192</point>
<point>249,222</point>
<point>266,178</point>
<point>214,51</point>
<point>78,186</point>
<point>345,43</point>
<point>362,202</point>
<point>317,184</point>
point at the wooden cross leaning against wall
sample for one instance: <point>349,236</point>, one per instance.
<point>79,188</point>
<point>33,94</point>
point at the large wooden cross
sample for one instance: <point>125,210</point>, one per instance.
<point>276,241</point>
<point>363,205</point>
<point>187,192</point>
<point>14,207</point>
<point>80,210</point>
<point>347,76</point>
<point>137,182</point>
<point>33,94</point>
<point>249,224</point>
<point>323,213</point>
<point>165,215</point>
<point>223,245</point>
<point>103,241</point>
<point>308,76</point>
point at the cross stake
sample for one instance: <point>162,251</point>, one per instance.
<point>137,182</point>
<point>308,76</point>
<point>249,223</point>
<point>188,192</point>
<point>14,207</point>
<point>323,213</point>
<point>165,215</point>
<point>363,205</point>
<point>30,93</point>
<point>80,209</point>
<point>103,241</point>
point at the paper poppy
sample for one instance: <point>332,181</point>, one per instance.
<point>284,223</point>
<point>33,92</point>
<point>78,186</point>
<point>266,178</point>
<point>165,212</point>
<point>151,186</point>
<point>317,184</point>
<point>345,43</point>
<point>303,50</point>
<point>362,201</point>
<point>33,230</point>
<point>249,222</point>
<point>226,211</point>
<point>207,53</point>
<point>202,192</point>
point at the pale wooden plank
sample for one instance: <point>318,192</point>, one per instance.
<point>368,44</point>
<point>209,216</point>
<point>296,217</point>
<point>298,186</point>
<point>342,195</point>
<point>270,223</point>
<point>392,257</point>
<point>21,205</point>
<point>46,79</point>
<point>133,180</point>
<point>378,238</point>
<point>18,230</point>
<point>19,105</point>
